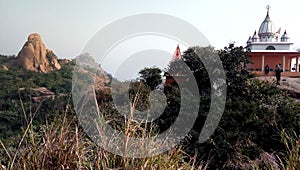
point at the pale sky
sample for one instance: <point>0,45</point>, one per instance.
<point>66,26</point>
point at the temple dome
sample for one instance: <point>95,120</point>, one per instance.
<point>266,29</point>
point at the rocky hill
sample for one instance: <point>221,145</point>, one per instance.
<point>35,57</point>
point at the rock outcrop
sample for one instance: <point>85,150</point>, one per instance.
<point>35,57</point>
<point>53,61</point>
<point>63,61</point>
<point>86,65</point>
<point>42,93</point>
<point>4,67</point>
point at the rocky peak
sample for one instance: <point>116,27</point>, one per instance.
<point>35,57</point>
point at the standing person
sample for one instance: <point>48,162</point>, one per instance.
<point>267,69</point>
<point>277,74</point>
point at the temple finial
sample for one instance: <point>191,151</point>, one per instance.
<point>268,9</point>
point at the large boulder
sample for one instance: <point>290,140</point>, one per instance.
<point>35,57</point>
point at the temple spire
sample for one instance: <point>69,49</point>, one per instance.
<point>177,54</point>
<point>268,9</point>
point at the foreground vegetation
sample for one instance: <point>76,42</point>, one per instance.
<point>62,145</point>
<point>259,128</point>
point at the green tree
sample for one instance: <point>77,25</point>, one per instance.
<point>151,77</point>
<point>254,114</point>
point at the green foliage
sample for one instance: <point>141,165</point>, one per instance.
<point>193,66</point>
<point>151,77</point>
<point>139,96</point>
<point>254,114</point>
<point>251,126</point>
<point>4,59</point>
<point>234,58</point>
<point>16,96</point>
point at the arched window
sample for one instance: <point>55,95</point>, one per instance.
<point>270,48</point>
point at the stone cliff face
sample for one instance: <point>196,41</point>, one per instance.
<point>35,57</point>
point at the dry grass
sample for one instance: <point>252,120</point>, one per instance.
<point>287,160</point>
<point>291,160</point>
<point>63,145</point>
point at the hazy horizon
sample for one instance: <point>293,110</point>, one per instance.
<point>66,26</point>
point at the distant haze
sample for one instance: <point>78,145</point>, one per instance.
<point>66,26</point>
<point>130,68</point>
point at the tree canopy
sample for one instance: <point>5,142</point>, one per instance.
<point>151,76</point>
